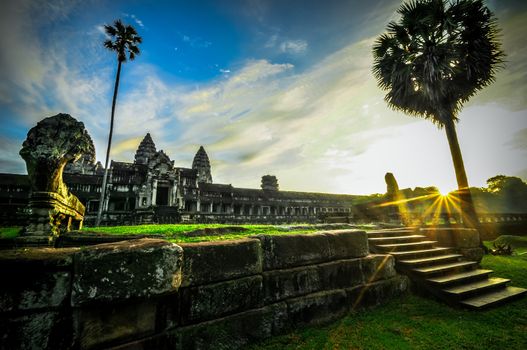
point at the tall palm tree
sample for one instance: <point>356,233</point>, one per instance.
<point>434,59</point>
<point>123,40</point>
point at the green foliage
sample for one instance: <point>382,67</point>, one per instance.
<point>413,322</point>
<point>503,194</point>
<point>9,232</point>
<point>437,56</point>
<point>501,183</point>
<point>124,39</point>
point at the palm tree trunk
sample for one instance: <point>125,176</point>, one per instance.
<point>468,212</point>
<point>105,177</point>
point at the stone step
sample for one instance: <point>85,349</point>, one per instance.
<point>372,234</point>
<point>434,260</point>
<point>494,298</point>
<point>421,253</point>
<point>474,288</point>
<point>444,269</point>
<point>458,278</point>
<point>396,239</point>
<point>406,246</point>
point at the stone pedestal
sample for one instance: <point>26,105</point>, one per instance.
<point>51,214</point>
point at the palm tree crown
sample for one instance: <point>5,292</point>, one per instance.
<point>123,40</point>
<point>437,56</point>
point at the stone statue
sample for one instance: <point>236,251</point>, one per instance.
<point>50,145</point>
<point>392,188</point>
<point>396,200</point>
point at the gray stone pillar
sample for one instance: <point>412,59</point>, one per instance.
<point>154,191</point>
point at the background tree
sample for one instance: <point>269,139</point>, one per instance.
<point>437,56</point>
<point>509,193</point>
<point>123,40</point>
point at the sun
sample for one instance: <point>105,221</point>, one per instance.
<point>443,192</point>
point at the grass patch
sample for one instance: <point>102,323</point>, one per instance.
<point>518,243</point>
<point>178,233</point>
<point>10,232</point>
<point>414,322</point>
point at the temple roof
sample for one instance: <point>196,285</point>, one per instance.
<point>146,150</point>
<point>202,164</point>
<point>201,159</point>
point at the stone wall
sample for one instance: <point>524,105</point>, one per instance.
<point>152,294</point>
<point>465,240</point>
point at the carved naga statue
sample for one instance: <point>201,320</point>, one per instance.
<point>49,146</point>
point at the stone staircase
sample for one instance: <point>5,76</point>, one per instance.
<point>441,271</point>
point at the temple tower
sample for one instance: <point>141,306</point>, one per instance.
<point>269,183</point>
<point>202,165</point>
<point>145,151</point>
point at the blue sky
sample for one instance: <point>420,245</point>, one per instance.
<point>267,87</point>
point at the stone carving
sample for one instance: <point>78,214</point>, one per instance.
<point>50,145</point>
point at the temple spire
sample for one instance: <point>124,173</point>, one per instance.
<point>145,151</point>
<point>202,165</point>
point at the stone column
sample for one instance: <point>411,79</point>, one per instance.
<point>154,191</point>
<point>173,200</point>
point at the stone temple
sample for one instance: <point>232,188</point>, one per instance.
<point>152,189</point>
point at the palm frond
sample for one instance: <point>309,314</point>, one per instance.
<point>125,40</point>
<point>438,55</point>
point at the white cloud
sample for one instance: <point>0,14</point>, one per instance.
<point>135,19</point>
<point>324,129</point>
<point>289,46</point>
<point>294,46</point>
<point>195,42</point>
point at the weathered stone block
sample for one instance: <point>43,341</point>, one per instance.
<point>46,330</point>
<point>474,254</point>
<point>283,284</point>
<point>219,299</point>
<point>168,311</point>
<point>378,267</point>
<point>346,244</point>
<point>36,258</point>
<point>236,331</point>
<point>159,341</point>
<point>444,236</point>
<point>96,326</point>
<point>219,261</point>
<point>466,238</point>
<point>375,293</point>
<point>340,274</point>
<point>286,251</point>
<point>34,278</point>
<point>453,237</point>
<point>26,290</point>
<point>122,270</point>
<point>317,308</point>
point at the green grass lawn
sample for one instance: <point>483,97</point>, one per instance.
<point>9,232</point>
<point>179,233</point>
<point>413,322</point>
